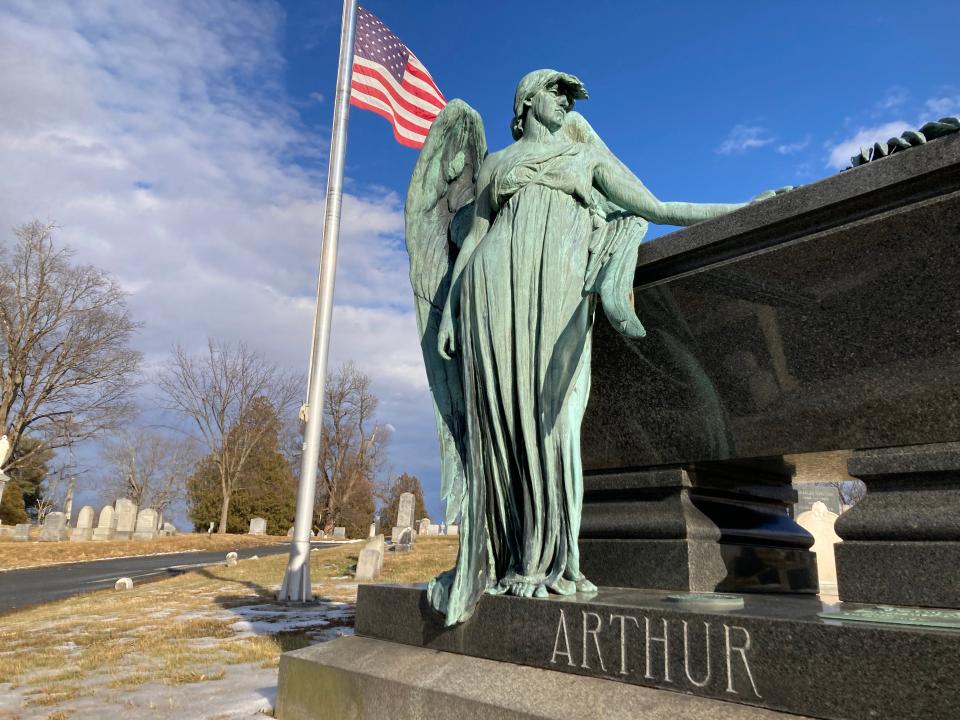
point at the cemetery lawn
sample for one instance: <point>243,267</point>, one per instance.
<point>182,646</point>
<point>17,555</point>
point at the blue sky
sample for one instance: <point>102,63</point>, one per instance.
<point>182,145</point>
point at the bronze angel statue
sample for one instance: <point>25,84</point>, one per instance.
<point>509,253</point>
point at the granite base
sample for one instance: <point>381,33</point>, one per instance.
<point>703,527</point>
<point>901,543</point>
<point>773,652</point>
<point>356,678</point>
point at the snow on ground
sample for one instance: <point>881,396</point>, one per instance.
<point>245,690</point>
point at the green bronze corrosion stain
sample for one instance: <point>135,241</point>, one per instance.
<point>920,617</point>
<point>509,253</point>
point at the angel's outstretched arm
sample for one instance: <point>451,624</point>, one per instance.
<point>624,188</point>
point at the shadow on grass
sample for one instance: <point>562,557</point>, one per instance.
<point>286,625</point>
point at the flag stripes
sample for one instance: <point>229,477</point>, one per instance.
<point>389,80</point>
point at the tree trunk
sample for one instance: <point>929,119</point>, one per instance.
<point>224,512</point>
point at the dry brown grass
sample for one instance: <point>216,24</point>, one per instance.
<point>187,629</point>
<point>15,555</point>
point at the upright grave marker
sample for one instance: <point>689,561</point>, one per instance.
<point>54,527</point>
<point>84,528</point>
<point>106,524</point>
<point>126,519</point>
<point>146,527</point>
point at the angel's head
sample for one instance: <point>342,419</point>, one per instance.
<point>548,94</point>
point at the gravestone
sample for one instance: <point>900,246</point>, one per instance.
<point>106,524</point>
<point>54,527</point>
<point>453,529</point>
<point>126,519</point>
<point>819,522</point>
<point>433,530</point>
<point>6,530</point>
<point>231,560</point>
<point>84,528</point>
<point>378,544</point>
<point>395,534</point>
<point>368,564</point>
<point>21,532</point>
<point>290,533</point>
<point>423,527</point>
<point>169,529</point>
<point>405,510</point>
<point>146,527</point>
<point>405,540</point>
<point>339,533</point>
<point>258,526</point>
<point>373,530</point>
<point>808,494</point>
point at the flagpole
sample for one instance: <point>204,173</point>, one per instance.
<point>296,580</point>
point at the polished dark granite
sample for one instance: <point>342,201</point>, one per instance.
<point>704,527</point>
<point>901,543</point>
<point>773,652</point>
<point>821,320</point>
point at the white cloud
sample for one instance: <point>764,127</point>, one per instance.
<point>743,138</point>
<point>791,148</point>
<point>894,98</point>
<point>158,137</point>
<point>840,153</point>
<point>943,106</point>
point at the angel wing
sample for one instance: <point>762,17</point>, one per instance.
<point>614,246</point>
<point>438,215</point>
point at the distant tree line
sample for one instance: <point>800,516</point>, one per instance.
<point>67,372</point>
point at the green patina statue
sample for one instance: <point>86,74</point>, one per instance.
<point>508,253</point>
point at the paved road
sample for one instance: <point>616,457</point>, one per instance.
<point>19,588</point>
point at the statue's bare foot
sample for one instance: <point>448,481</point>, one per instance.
<point>563,586</point>
<point>581,583</point>
<point>585,586</point>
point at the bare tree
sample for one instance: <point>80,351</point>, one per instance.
<point>352,449</point>
<point>217,391</point>
<point>66,366</point>
<point>850,491</point>
<point>149,467</point>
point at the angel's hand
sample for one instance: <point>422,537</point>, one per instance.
<point>446,337</point>
<point>772,193</point>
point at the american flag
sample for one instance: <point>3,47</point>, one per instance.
<point>388,79</point>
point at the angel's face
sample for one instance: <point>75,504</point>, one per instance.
<point>549,106</point>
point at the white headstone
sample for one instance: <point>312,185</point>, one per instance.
<point>22,532</point>
<point>231,559</point>
<point>405,510</point>
<point>106,524</point>
<point>406,539</point>
<point>146,528</point>
<point>378,544</point>
<point>258,526</point>
<point>423,527</point>
<point>433,530</point>
<point>453,530</point>
<point>169,529</point>
<point>819,522</point>
<point>84,528</point>
<point>54,527</point>
<point>373,530</point>
<point>368,566</point>
<point>126,519</point>
<point>339,533</point>
<point>123,583</point>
